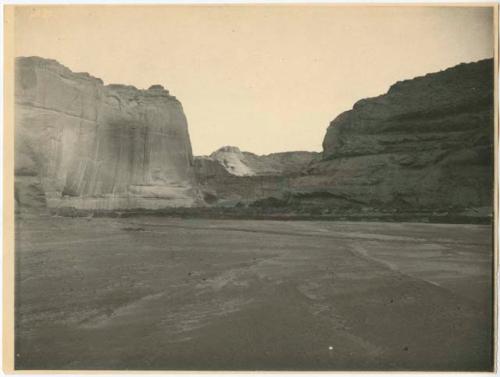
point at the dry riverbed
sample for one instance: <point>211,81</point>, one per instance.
<point>164,293</point>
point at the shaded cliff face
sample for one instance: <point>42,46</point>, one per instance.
<point>92,146</point>
<point>427,143</point>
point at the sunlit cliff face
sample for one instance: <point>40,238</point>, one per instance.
<point>100,147</point>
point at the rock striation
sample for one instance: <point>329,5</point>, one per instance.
<point>86,145</point>
<point>425,144</point>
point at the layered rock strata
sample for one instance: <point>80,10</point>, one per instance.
<point>425,144</point>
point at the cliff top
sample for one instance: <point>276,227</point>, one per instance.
<point>458,76</point>
<point>54,65</point>
<point>227,149</point>
<point>465,70</point>
<point>233,149</point>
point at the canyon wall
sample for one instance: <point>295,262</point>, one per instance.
<point>427,144</point>
<point>424,146</point>
<point>84,145</point>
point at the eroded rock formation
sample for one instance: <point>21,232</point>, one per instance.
<point>90,146</point>
<point>241,163</point>
<point>423,147</point>
<point>425,144</point>
<point>230,176</point>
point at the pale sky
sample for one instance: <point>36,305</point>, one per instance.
<point>263,78</point>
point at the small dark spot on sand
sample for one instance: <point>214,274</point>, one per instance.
<point>132,229</point>
<point>405,348</point>
<point>392,300</point>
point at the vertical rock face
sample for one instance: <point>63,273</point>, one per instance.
<point>92,146</point>
<point>425,144</point>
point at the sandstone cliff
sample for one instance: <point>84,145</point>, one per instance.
<point>89,146</point>
<point>425,144</point>
<point>424,147</point>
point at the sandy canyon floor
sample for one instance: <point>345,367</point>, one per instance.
<point>163,293</point>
